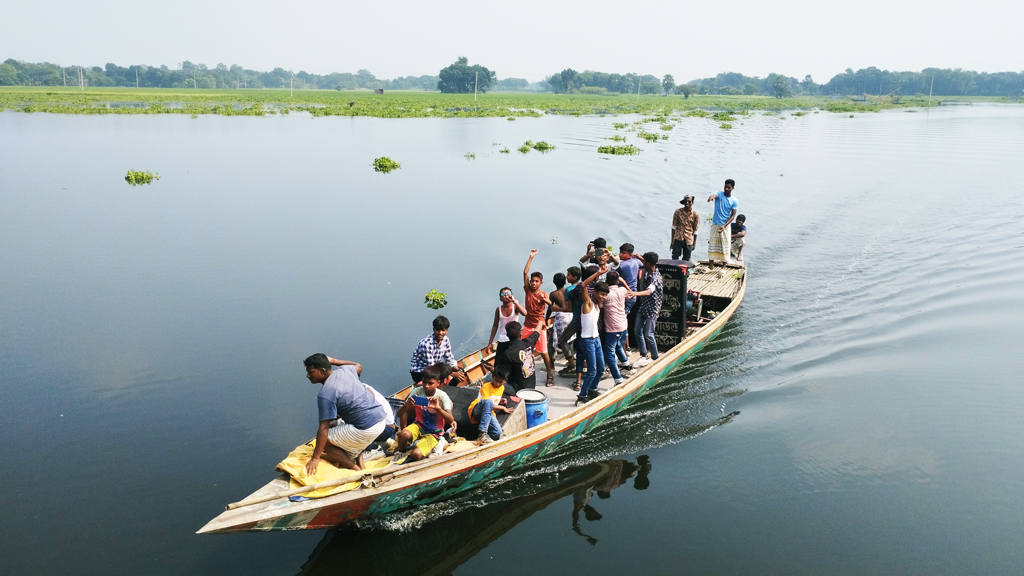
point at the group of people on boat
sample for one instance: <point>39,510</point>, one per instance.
<point>593,307</point>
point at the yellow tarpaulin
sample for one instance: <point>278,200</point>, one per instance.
<point>295,466</point>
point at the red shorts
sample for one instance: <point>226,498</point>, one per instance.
<point>542,342</point>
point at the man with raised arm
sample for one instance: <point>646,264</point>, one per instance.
<point>725,212</point>
<point>536,302</point>
<point>350,417</point>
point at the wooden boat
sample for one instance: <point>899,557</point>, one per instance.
<point>453,539</point>
<point>392,489</point>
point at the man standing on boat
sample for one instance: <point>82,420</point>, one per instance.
<point>537,302</point>
<point>350,417</point>
<point>725,211</point>
<point>433,349</point>
<point>685,222</point>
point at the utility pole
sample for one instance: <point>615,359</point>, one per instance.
<point>81,79</point>
<point>930,91</point>
<point>136,78</point>
<point>638,89</point>
<point>64,73</point>
<point>291,85</point>
<point>476,81</point>
<point>195,85</point>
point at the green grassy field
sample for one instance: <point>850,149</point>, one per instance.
<point>401,104</point>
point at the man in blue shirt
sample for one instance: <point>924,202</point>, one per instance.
<point>725,212</point>
<point>350,416</point>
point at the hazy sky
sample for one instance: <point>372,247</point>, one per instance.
<point>524,39</point>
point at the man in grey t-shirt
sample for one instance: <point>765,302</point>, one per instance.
<point>350,417</point>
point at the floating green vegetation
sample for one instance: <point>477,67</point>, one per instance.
<point>627,150</point>
<point>666,126</point>
<point>470,155</point>
<point>138,178</point>
<point>799,113</point>
<point>529,143</point>
<point>385,165</point>
<point>620,125</point>
<point>524,148</point>
<point>647,136</point>
<point>769,114</point>
<point>723,117</point>
<point>617,138</point>
<point>851,115</point>
<point>408,104</point>
<point>543,146</point>
<point>725,126</point>
<point>436,300</point>
<point>911,111</point>
<point>504,151</point>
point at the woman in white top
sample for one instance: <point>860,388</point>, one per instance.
<point>590,336</point>
<point>509,311</point>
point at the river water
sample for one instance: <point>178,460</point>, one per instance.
<point>151,339</point>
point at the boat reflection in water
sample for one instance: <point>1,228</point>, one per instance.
<point>451,533</point>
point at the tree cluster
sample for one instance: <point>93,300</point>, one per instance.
<point>461,78</point>
<point>189,75</point>
<point>569,81</point>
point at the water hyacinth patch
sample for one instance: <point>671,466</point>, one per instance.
<point>385,165</point>
<point>543,146</point>
<point>627,150</point>
<point>138,178</point>
<point>436,300</point>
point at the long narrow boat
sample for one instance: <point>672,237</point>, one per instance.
<point>404,486</point>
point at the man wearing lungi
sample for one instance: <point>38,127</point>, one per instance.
<point>725,212</point>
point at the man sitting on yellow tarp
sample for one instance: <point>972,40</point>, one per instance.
<point>433,413</point>
<point>342,397</point>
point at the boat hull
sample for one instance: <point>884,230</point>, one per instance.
<point>379,502</point>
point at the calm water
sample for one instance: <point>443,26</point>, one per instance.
<point>151,339</point>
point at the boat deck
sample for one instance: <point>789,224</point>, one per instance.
<point>708,279</point>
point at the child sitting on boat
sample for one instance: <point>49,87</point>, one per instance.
<point>433,413</point>
<point>482,410</point>
<point>738,233</point>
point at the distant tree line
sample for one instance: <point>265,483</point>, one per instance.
<point>189,75</point>
<point>460,76</point>
<point>948,82</point>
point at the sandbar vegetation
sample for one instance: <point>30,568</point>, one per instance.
<point>408,104</point>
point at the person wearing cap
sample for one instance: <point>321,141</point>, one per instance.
<point>597,256</point>
<point>685,222</point>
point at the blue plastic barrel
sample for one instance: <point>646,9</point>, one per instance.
<point>536,406</point>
